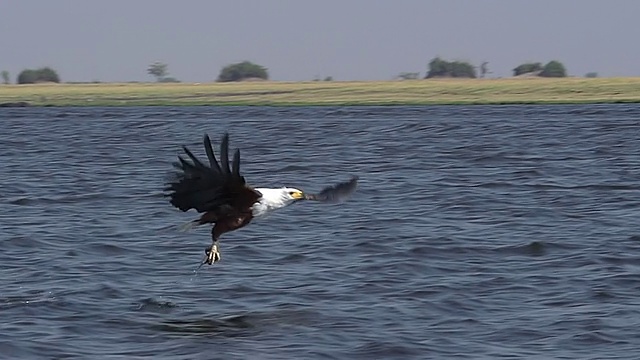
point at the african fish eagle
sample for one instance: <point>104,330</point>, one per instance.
<point>223,197</point>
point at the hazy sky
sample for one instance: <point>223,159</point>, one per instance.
<point>116,40</point>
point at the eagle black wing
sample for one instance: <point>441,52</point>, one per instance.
<point>214,187</point>
<point>335,193</point>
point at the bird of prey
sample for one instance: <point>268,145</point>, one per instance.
<point>221,195</point>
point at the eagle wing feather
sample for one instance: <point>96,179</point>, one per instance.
<point>212,188</point>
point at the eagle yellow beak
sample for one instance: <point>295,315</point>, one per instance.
<point>298,195</point>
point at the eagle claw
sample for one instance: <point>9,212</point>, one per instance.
<point>212,254</point>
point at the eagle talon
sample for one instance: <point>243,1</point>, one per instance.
<point>212,254</point>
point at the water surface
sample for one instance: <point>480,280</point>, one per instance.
<point>476,232</point>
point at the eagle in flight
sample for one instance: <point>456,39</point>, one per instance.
<point>218,192</point>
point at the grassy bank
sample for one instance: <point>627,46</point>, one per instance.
<point>414,92</point>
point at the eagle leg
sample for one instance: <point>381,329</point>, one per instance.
<point>223,225</point>
<point>212,253</point>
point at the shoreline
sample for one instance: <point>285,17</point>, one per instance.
<point>506,91</point>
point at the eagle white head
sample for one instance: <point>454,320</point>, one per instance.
<point>293,194</point>
<point>276,198</point>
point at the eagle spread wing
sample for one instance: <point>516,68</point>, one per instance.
<point>216,188</point>
<point>222,194</point>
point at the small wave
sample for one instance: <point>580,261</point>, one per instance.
<point>243,323</point>
<point>20,201</point>
<point>292,168</point>
<point>153,305</point>
<point>605,187</point>
<point>22,242</point>
<point>499,157</point>
<point>603,295</point>
<point>588,111</point>
<point>534,248</point>
<point>146,124</point>
<point>230,326</point>
<point>63,199</point>
<point>499,184</point>
<point>377,350</point>
<point>528,173</point>
<point>592,338</point>
<point>107,249</point>
<point>79,198</point>
<point>24,300</point>
<point>292,258</point>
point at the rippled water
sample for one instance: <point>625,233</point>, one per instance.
<point>476,232</point>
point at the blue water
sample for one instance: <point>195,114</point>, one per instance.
<point>476,232</point>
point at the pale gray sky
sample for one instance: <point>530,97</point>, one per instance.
<point>116,40</point>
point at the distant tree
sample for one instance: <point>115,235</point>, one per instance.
<point>159,70</point>
<point>462,69</point>
<point>27,76</point>
<point>45,74</point>
<point>442,68</point>
<point>554,69</point>
<point>328,78</point>
<point>527,68</point>
<point>5,77</point>
<point>241,71</point>
<point>437,67</point>
<point>591,75</point>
